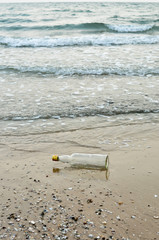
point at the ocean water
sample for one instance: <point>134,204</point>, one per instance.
<point>68,66</point>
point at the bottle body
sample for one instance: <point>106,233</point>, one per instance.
<point>82,160</point>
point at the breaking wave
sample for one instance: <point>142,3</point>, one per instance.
<point>79,113</point>
<point>95,26</point>
<point>131,28</point>
<point>79,41</point>
<point>63,71</point>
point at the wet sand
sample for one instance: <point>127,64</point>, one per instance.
<point>41,199</point>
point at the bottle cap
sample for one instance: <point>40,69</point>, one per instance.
<point>55,158</point>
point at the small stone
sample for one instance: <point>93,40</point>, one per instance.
<point>98,211</point>
<point>98,237</point>
<point>25,199</point>
<point>32,222</point>
<point>90,235</point>
<point>74,218</point>
<point>80,210</point>
<point>104,223</point>
<point>30,229</point>
<point>89,200</point>
<point>10,223</point>
<point>90,223</point>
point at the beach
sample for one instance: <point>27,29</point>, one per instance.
<point>79,78</point>
<point>42,199</point>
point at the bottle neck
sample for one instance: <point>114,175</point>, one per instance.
<point>65,158</point>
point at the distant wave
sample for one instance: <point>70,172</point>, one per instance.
<point>14,20</point>
<point>66,71</point>
<point>74,11</point>
<point>79,41</point>
<point>81,26</point>
<point>95,26</point>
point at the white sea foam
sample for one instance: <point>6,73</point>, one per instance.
<point>70,71</point>
<point>130,28</point>
<point>102,40</point>
<point>9,94</point>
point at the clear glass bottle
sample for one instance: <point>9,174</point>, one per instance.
<point>83,160</point>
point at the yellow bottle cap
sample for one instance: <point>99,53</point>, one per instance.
<point>55,158</point>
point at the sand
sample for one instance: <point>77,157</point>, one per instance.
<point>41,199</point>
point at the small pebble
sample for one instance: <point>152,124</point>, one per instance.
<point>32,222</point>
<point>30,229</point>
<point>90,235</point>
<point>104,223</point>
<point>118,218</point>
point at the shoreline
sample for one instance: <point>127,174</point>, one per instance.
<point>41,199</point>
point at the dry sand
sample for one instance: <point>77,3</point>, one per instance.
<point>41,199</point>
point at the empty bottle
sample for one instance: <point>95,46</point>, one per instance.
<point>82,160</point>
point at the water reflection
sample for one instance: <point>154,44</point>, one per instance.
<point>55,170</point>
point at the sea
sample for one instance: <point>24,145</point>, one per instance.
<point>71,66</point>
